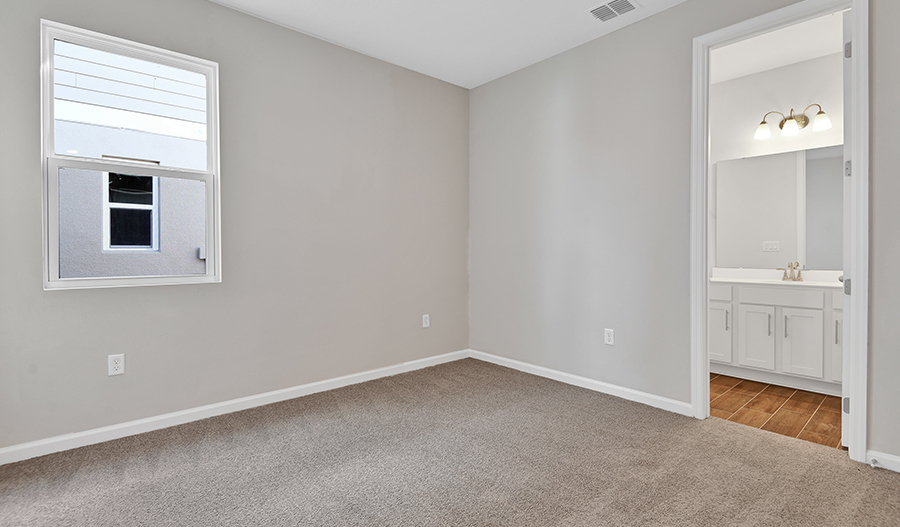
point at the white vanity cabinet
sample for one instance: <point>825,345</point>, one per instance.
<point>781,334</point>
<point>720,323</point>
<point>835,334</point>
<point>721,320</point>
<point>756,341</point>
<point>802,350</point>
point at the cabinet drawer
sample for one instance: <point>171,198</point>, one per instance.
<point>782,297</point>
<point>720,292</point>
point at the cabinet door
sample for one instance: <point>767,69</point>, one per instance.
<point>803,348</point>
<point>837,344</point>
<point>721,321</point>
<point>756,342</point>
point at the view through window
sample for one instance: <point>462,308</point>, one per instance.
<point>130,175</point>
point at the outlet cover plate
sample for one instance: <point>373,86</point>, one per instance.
<point>116,364</point>
<point>609,337</point>
<point>426,321</point>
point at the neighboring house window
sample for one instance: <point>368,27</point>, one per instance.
<point>131,182</point>
<point>130,212</point>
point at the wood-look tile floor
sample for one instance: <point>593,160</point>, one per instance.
<point>796,413</point>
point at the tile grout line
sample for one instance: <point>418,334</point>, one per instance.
<point>778,409</point>
<point>730,389</point>
<point>723,393</point>
<point>748,402</point>
<point>811,416</point>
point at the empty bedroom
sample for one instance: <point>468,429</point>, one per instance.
<point>416,263</point>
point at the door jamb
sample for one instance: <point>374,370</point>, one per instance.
<point>856,329</point>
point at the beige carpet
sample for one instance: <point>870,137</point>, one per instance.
<point>461,444</point>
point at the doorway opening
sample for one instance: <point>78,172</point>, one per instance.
<point>779,220</point>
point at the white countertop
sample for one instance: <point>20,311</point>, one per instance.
<point>811,278</point>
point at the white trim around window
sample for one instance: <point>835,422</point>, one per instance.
<point>53,162</point>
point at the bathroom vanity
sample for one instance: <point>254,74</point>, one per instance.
<point>766,211</point>
<point>765,329</point>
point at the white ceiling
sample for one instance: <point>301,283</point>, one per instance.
<point>804,41</point>
<point>464,42</point>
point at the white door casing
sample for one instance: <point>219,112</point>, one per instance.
<point>856,238</point>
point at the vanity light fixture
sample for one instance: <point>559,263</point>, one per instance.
<point>792,124</point>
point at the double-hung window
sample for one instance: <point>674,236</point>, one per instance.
<point>130,150</point>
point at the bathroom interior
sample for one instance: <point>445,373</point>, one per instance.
<point>776,229</point>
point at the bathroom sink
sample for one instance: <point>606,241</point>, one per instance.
<point>811,278</point>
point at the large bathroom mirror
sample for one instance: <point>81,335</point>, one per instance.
<point>778,208</point>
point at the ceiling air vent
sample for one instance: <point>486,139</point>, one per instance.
<point>612,9</point>
<point>604,13</point>
<point>621,6</point>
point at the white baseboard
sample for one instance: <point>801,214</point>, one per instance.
<point>59,443</point>
<point>882,460</point>
<point>656,401</point>
<point>50,445</point>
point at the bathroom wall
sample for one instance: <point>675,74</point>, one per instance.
<point>757,202</point>
<point>737,106</point>
<point>824,212</point>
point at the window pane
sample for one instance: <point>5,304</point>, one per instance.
<point>110,105</point>
<point>130,227</point>
<point>181,229</point>
<point>130,189</point>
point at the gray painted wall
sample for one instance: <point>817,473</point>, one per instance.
<point>825,213</point>
<point>344,219</point>
<point>884,284</point>
<point>579,209</point>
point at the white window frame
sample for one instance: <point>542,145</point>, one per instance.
<point>154,218</point>
<point>52,161</point>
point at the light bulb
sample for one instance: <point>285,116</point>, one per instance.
<point>763,131</point>
<point>822,122</point>
<point>790,128</point>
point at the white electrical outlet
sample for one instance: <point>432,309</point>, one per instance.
<point>426,321</point>
<point>771,247</point>
<point>609,337</point>
<point>116,364</point>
